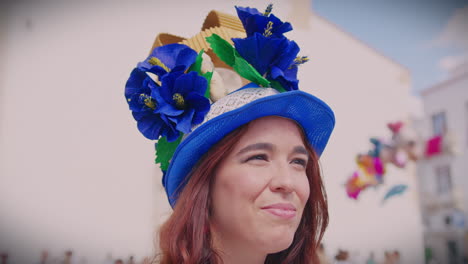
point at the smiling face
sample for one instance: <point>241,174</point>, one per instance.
<point>261,188</point>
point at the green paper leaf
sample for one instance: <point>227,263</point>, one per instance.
<point>165,150</point>
<point>277,86</point>
<point>227,53</point>
<point>222,49</point>
<point>208,76</point>
<point>198,63</point>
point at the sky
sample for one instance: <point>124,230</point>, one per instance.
<point>425,36</point>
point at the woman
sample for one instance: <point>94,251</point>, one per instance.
<point>241,170</point>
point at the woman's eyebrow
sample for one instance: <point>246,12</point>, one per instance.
<point>300,150</point>
<point>257,146</point>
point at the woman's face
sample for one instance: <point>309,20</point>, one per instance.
<point>261,187</point>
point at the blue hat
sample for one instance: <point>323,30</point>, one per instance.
<point>176,98</point>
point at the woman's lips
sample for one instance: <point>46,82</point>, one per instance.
<point>282,210</point>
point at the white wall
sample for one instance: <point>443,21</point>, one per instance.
<point>366,91</point>
<point>76,173</point>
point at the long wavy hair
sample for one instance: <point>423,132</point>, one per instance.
<point>185,237</point>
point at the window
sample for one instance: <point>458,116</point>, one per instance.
<point>443,179</point>
<point>466,120</point>
<point>439,124</point>
<point>452,249</point>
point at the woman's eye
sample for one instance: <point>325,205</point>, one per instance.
<point>258,157</point>
<point>301,162</point>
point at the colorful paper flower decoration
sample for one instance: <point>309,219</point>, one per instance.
<point>170,91</point>
<point>372,165</point>
<point>168,94</point>
<point>265,57</point>
<point>397,151</point>
<point>171,102</point>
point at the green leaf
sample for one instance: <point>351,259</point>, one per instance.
<point>277,86</point>
<point>165,150</point>
<point>208,76</point>
<point>197,68</point>
<point>198,63</point>
<point>222,48</point>
<point>227,53</point>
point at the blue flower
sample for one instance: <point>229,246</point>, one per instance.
<point>286,78</point>
<point>138,94</point>
<point>181,99</point>
<point>139,88</point>
<point>263,23</point>
<point>153,126</point>
<point>272,57</point>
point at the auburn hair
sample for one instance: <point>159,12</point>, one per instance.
<point>185,237</point>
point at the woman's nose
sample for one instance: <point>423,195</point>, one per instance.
<point>282,180</point>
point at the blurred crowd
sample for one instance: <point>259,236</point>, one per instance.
<point>344,257</point>
<point>68,258</point>
<point>340,257</point>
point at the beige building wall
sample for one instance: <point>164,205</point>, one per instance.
<point>76,173</point>
<point>447,240</point>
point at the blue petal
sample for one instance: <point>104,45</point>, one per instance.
<point>245,12</point>
<point>276,72</point>
<point>200,84</point>
<point>144,65</point>
<point>135,104</point>
<point>172,54</point>
<point>255,24</point>
<point>200,104</point>
<point>290,74</point>
<point>260,51</point>
<point>158,70</point>
<point>169,110</point>
<point>139,115</point>
<point>179,68</point>
<point>279,27</point>
<point>286,78</point>
<point>156,94</point>
<point>287,56</point>
<point>167,86</point>
<point>171,134</point>
<point>165,107</point>
<point>169,130</point>
<point>289,85</point>
<point>184,123</point>
<point>150,126</point>
<point>190,82</point>
<point>134,83</point>
<point>186,58</point>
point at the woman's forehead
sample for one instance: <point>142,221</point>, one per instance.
<point>274,123</point>
<point>272,129</point>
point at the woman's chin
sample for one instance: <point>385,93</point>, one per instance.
<point>278,243</point>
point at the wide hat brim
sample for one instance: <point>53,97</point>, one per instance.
<point>312,114</point>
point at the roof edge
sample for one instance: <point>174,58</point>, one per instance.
<point>443,84</point>
<point>380,53</point>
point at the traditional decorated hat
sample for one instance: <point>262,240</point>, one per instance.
<point>178,97</point>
